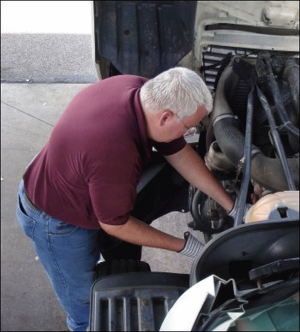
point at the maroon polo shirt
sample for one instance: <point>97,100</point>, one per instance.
<point>90,167</point>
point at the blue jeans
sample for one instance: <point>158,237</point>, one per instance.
<point>69,255</point>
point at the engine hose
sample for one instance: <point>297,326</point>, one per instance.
<point>277,140</point>
<point>204,226</point>
<point>247,162</point>
<point>286,122</point>
<point>198,197</point>
<point>291,76</point>
<point>264,170</point>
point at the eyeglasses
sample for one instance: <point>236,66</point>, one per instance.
<point>189,131</point>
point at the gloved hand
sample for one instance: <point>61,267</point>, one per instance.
<point>192,246</point>
<point>232,213</point>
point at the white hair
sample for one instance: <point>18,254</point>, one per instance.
<point>179,90</point>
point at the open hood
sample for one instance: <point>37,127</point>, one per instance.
<point>142,37</point>
<point>242,28</point>
<point>147,37</point>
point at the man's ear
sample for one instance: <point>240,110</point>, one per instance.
<point>166,117</point>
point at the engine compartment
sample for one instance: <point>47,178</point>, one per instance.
<point>251,139</point>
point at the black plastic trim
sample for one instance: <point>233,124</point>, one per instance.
<point>260,30</point>
<point>134,301</point>
<point>233,253</point>
<point>143,37</point>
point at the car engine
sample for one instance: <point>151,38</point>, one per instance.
<point>251,139</point>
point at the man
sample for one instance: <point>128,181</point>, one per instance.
<point>86,175</point>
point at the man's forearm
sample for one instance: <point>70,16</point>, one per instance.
<point>136,232</point>
<point>191,166</point>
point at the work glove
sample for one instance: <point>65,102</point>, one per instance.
<point>192,246</point>
<point>232,213</point>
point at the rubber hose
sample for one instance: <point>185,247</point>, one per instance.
<point>264,170</point>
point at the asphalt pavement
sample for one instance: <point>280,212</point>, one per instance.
<point>29,110</point>
<point>47,58</point>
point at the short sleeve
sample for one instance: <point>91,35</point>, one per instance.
<point>170,148</point>
<point>112,186</point>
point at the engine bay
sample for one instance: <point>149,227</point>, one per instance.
<point>250,141</point>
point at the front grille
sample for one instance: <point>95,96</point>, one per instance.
<point>139,311</point>
<point>137,301</point>
<point>214,56</point>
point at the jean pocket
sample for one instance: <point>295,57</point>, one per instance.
<point>60,228</point>
<point>25,222</point>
